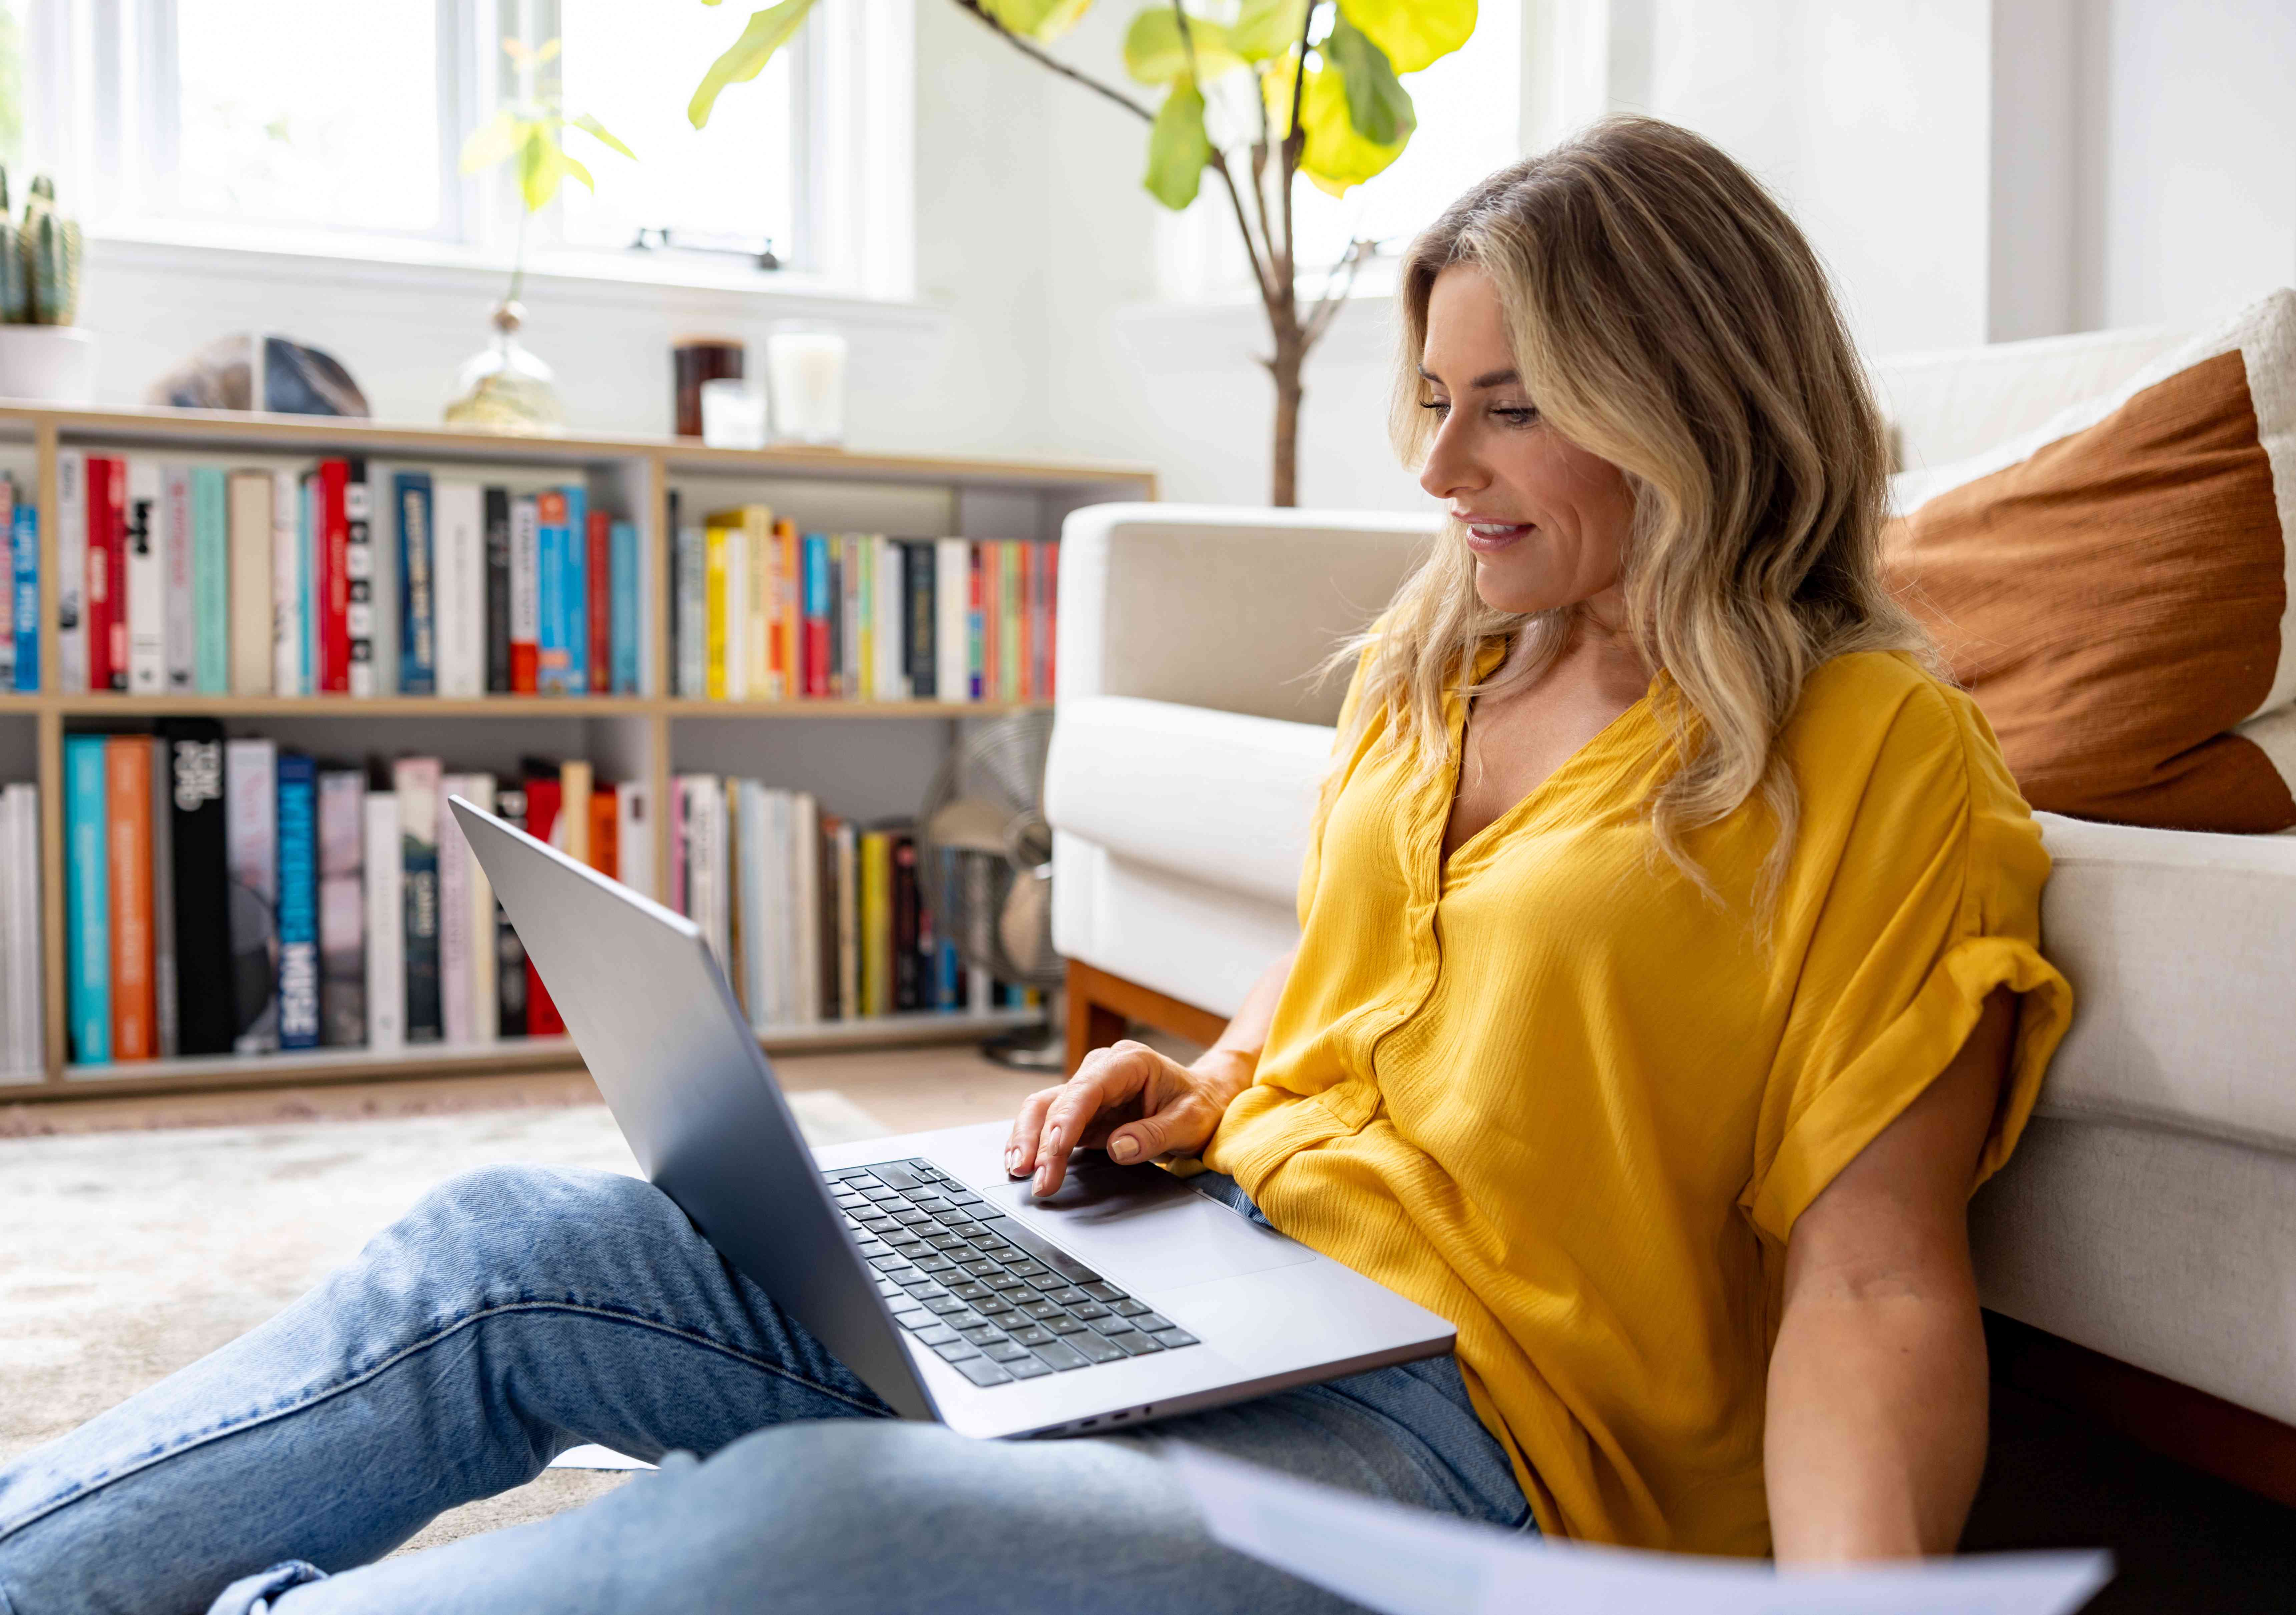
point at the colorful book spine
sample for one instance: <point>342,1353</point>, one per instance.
<point>573,590</point>
<point>127,828</point>
<point>1012,602</point>
<point>24,558</point>
<point>976,622</point>
<point>146,594</point>
<point>342,907</point>
<point>789,607</point>
<point>815,651</point>
<point>1050,685</point>
<point>418,652</point>
<point>107,627</point>
<point>920,620</point>
<point>763,586</point>
<point>456,980</point>
<point>908,969</point>
<point>542,804</point>
<point>72,571</point>
<point>525,593</point>
<point>211,580</point>
<point>360,626</point>
<point>385,901</point>
<point>287,604</point>
<point>197,842</point>
<point>497,520</point>
<point>415,780</point>
<point>330,535</point>
<point>310,598</point>
<point>952,632</point>
<point>626,633</point>
<point>510,952</point>
<point>249,494</point>
<point>175,542</point>
<point>876,921</point>
<point>552,538</point>
<point>597,571</point>
<point>716,604</point>
<point>250,794</point>
<point>165,1025</point>
<point>87,900</point>
<point>299,902</point>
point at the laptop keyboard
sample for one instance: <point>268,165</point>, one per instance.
<point>995,1300</point>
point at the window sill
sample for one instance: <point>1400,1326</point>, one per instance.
<point>593,277</point>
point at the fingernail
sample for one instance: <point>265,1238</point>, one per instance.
<point>1043,1180</point>
<point>1123,1149</point>
<point>1012,1159</point>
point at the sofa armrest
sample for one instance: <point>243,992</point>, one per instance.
<point>1229,608</point>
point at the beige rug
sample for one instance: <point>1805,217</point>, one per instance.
<point>125,1256</point>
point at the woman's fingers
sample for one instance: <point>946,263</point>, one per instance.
<point>1181,1127</point>
<point>1020,1148</point>
<point>1108,1076</point>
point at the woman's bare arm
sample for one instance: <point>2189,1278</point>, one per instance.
<point>1138,1104</point>
<point>1877,1430</point>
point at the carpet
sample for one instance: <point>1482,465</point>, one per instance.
<point>125,1256</point>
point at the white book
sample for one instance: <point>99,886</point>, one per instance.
<point>525,574</point>
<point>706,871</point>
<point>455,972</point>
<point>692,606</point>
<point>72,571</point>
<point>892,606</point>
<point>458,521</point>
<point>486,1001</point>
<point>737,615</point>
<point>952,620</point>
<point>147,582</point>
<point>634,848</point>
<point>249,504</point>
<point>386,925</point>
<point>805,908</point>
<point>180,626</point>
<point>288,596</point>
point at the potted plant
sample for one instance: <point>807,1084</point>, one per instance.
<point>43,354</point>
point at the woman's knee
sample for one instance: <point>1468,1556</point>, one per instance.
<point>544,1227</point>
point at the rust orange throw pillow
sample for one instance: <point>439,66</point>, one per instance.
<point>2114,588</point>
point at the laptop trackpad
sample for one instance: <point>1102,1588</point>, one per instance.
<point>1147,1228</point>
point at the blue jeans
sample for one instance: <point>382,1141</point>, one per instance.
<point>518,1311</point>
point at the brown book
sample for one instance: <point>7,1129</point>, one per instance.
<point>127,816</point>
<point>574,810</point>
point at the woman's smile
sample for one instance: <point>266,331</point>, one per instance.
<point>1487,538</point>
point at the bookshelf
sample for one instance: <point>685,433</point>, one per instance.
<point>891,746</point>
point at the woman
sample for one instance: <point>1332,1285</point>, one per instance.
<point>1667,980</point>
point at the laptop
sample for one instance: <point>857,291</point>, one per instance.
<point>951,1292</point>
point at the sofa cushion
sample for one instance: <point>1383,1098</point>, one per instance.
<point>2113,588</point>
<point>1216,796</point>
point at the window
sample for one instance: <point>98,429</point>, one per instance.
<point>327,126</point>
<point>1468,105</point>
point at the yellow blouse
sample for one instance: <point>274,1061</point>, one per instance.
<point>1557,1096</point>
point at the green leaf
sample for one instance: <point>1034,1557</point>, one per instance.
<point>1336,158</point>
<point>767,32</point>
<point>1038,19</point>
<point>598,132</point>
<point>1268,28</point>
<point>1178,148</point>
<point>1413,33</point>
<point>1154,52</point>
<point>493,141</point>
<point>541,166</point>
<point>1378,106</point>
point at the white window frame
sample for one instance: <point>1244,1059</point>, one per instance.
<point>854,67</point>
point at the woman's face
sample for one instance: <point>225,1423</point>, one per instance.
<point>1548,522</point>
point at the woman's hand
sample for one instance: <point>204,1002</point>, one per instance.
<point>1130,1100</point>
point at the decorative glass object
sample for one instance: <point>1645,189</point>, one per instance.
<point>804,366</point>
<point>733,414</point>
<point>503,388</point>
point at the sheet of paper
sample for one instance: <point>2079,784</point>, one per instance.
<point>1407,1562</point>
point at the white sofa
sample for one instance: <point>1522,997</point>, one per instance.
<point>2151,1214</point>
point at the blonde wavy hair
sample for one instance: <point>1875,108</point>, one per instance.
<point>1666,315</point>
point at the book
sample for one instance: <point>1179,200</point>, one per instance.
<point>200,879</point>
<point>510,952</point>
<point>824,913</point>
<point>690,630</point>
<point>342,906</point>
<point>24,594</point>
<point>72,571</point>
<point>485,1012</point>
<point>251,854</point>
<point>248,498</point>
<point>907,972</point>
<point>803,878</point>
<point>87,900</point>
<point>553,536</point>
<point>128,831</point>
<point>847,854</point>
<point>496,516</point>
<point>20,940</point>
<point>457,971</point>
<point>417,619</point>
<point>458,525</point>
<point>310,596</point>
<point>211,560</point>
<point>755,982</point>
<point>952,632</point>
<point>851,650</point>
<point>977,627</point>
<point>574,782</point>
<point>718,630</point>
<point>624,634</point>
<point>605,833</point>
<point>385,902</point>
<point>762,590</point>
<point>106,500</point>
<point>573,590</point>
<point>598,570</point>
<point>708,875</point>
<point>892,594</point>
<point>360,624</point>
<point>920,619</point>
<point>789,608</point>
<point>542,815</point>
<point>876,929</point>
<point>634,837</point>
<point>299,902</point>
<point>814,654</point>
<point>415,781</point>
<point>330,577</point>
<point>147,583</point>
<point>525,593</point>
<point>1049,689</point>
<point>382,561</point>
<point>165,1026</point>
<point>172,537</point>
<point>288,605</point>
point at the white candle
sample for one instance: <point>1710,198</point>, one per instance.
<point>807,372</point>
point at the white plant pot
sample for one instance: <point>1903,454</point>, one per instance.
<point>47,364</point>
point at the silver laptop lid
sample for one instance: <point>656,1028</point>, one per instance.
<point>658,1025</point>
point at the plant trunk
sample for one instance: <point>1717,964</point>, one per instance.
<point>1291,356</point>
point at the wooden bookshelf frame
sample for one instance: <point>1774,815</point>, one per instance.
<point>986,498</point>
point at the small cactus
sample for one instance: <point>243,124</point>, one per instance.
<point>39,260</point>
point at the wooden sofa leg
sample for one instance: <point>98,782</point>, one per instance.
<point>1092,1024</point>
<point>1100,1006</point>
